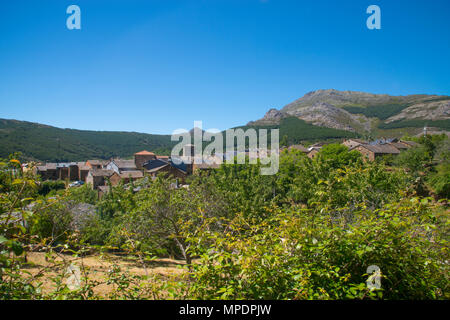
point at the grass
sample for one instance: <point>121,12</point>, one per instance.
<point>97,267</point>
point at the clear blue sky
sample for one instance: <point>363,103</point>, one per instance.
<point>155,66</point>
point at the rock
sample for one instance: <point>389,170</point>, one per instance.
<point>273,116</point>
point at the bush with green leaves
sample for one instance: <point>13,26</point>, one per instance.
<point>415,159</point>
<point>303,254</point>
<point>49,188</point>
<point>159,215</point>
<point>82,194</point>
<point>337,156</point>
<point>336,179</point>
<point>308,232</point>
<point>51,220</point>
<point>440,180</point>
<point>369,184</point>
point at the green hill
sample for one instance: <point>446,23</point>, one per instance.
<point>298,130</point>
<point>46,143</point>
<point>416,123</point>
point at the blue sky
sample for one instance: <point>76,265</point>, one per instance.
<point>155,66</point>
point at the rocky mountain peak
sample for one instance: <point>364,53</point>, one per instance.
<point>274,114</point>
<point>359,111</point>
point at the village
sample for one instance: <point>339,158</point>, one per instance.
<point>102,174</point>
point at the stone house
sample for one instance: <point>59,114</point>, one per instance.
<point>102,190</point>
<point>142,157</point>
<point>97,164</point>
<point>155,167</point>
<point>400,146</point>
<point>353,143</point>
<point>372,152</point>
<point>98,177</point>
<point>74,172</point>
<point>126,177</point>
<point>47,171</point>
<point>83,171</point>
<point>313,151</point>
<point>120,165</point>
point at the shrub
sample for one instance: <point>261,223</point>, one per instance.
<point>325,255</point>
<point>51,221</point>
<point>440,181</point>
<point>48,187</point>
<point>83,194</point>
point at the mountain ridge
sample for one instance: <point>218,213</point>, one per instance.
<point>360,112</point>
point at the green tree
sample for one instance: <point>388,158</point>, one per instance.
<point>337,155</point>
<point>415,159</point>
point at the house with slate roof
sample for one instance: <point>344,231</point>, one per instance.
<point>372,152</point>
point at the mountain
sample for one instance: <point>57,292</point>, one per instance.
<point>364,113</point>
<point>46,143</point>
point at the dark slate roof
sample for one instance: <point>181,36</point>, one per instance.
<point>381,148</point>
<point>98,162</point>
<point>47,166</point>
<point>410,143</point>
<point>101,172</point>
<point>298,147</point>
<point>383,141</point>
<point>357,140</point>
<point>158,168</point>
<point>318,144</point>
<point>66,164</point>
<point>182,166</point>
<point>399,145</point>
<point>155,163</point>
<point>132,174</point>
<point>125,164</point>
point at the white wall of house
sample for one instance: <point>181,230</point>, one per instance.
<point>113,166</point>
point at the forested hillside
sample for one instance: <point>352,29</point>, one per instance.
<point>46,143</point>
<point>297,130</point>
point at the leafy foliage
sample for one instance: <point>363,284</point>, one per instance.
<point>440,181</point>
<point>50,186</point>
<point>299,254</point>
<point>308,232</point>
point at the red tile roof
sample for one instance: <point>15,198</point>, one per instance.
<point>144,152</point>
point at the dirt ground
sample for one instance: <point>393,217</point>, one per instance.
<point>96,267</point>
